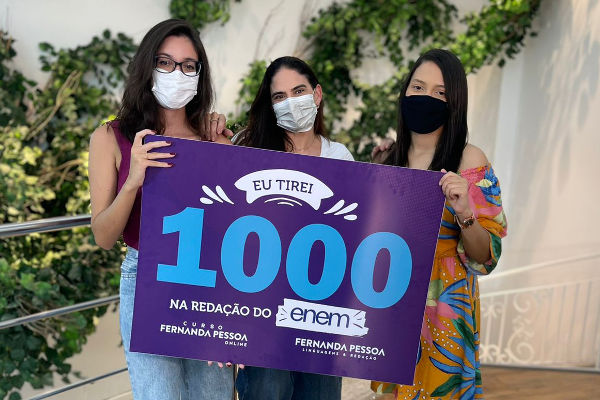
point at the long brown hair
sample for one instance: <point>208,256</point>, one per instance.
<point>139,108</point>
<point>262,130</point>
<point>452,142</point>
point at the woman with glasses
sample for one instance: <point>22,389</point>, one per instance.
<point>168,92</point>
<point>287,115</point>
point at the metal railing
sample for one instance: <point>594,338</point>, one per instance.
<point>541,265</point>
<point>44,225</point>
<point>78,384</point>
<point>552,326</point>
<point>52,225</point>
<point>59,311</point>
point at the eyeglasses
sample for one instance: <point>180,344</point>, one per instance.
<point>166,65</point>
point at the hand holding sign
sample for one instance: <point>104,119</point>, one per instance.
<point>142,157</point>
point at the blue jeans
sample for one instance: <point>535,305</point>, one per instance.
<point>254,383</point>
<point>156,377</point>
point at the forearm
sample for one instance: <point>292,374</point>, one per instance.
<point>109,224</point>
<point>476,242</point>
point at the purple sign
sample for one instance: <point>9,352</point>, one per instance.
<point>285,261</point>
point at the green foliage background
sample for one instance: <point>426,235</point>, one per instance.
<point>341,36</point>
<point>43,173</point>
<point>44,134</point>
<point>201,13</point>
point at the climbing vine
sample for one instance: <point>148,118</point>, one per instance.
<point>201,12</point>
<point>343,35</point>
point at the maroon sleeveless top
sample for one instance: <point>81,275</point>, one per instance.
<point>131,233</point>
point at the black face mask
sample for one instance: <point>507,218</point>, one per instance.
<point>424,114</point>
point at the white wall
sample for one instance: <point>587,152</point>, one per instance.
<point>256,30</point>
<point>545,106</point>
<point>539,119</point>
<point>69,23</point>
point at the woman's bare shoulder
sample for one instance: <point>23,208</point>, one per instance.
<point>103,143</point>
<point>104,134</point>
<point>472,157</point>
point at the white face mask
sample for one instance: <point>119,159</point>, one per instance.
<point>296,114</point>
<point>174,90</point>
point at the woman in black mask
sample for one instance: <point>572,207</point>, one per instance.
<point>432,134</point>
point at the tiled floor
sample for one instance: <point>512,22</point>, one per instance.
<point>513,384</point>
<point>356,389</point>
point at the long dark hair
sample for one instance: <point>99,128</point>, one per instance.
<point>139,109</point>
<point>262,130</point>
<point>453,139</point>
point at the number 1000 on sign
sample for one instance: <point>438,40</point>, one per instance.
<point>189,224</point>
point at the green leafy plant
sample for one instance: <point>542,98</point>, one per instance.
<point>13,86</point>
<point>201,12</point>
<point>248,90</point>
<point>343,35</point>
<point>43,173</point>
